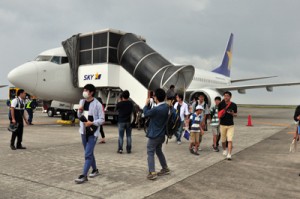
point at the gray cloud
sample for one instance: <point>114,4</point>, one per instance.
<point>193,32</point>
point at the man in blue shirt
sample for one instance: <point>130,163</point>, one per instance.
<point>156,133</point>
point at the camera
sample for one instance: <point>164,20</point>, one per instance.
<point>229,110</point>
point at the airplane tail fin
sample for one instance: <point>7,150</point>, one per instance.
<point>225,67</point>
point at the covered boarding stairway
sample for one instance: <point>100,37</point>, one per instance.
<point>113,61</point>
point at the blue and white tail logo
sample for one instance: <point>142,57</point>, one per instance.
<point>225,67</point>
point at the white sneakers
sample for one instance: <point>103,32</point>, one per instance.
<point>94,173</point>
<point>228,156</point>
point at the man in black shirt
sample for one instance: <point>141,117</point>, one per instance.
<point>125,108</point>
<point>226,123</point>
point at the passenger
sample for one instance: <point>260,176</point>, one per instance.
<point>226,122</point>
<point>171,94</point>
<point>196,131</point>
<point>156,133</point>
<point>102,141</point>
<point>194,103</point>
<point>91,110</point>
<point>297,119</point>
<point>191,110</point>
<point>215,124</point>
<point>205,113</point>
<point>151,105</point>
<point>8,103</point>
<point>182,108</point>
<point>30,107</point>
<point>125,108</point>
<point>152,102</point>
<point>17,116</point>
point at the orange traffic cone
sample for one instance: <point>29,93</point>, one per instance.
<point>249,121</point>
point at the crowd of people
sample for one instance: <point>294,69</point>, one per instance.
<point>195,117</point>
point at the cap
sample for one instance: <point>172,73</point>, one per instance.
<point>199,107</point>
<point>13,127</point>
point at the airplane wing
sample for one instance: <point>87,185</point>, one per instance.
<point>242,89</point>
<point>255,78</point>
<point>2,86</point>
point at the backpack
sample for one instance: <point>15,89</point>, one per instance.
<point>173,122</point>
<point>213,112</point>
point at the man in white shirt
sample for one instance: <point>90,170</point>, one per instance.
<point>17,116</point>
<point>91,116</point>
<point>183,109</point>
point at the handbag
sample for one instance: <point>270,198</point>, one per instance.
<point>90,130</point>
<point>222,112</point>
<point>186,135</point>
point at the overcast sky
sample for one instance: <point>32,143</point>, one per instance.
<point>266,35</point>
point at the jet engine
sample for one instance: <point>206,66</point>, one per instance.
<point>209,94</point>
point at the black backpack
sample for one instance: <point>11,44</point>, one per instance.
<point>173,122</point>
<point>213,112</point>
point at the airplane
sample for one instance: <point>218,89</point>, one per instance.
<point>49,77</point>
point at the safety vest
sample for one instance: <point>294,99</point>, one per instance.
<point>19,111</point>
<point>20,105</point>
<point>28,105</point>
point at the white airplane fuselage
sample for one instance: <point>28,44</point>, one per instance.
<point>53,81</point>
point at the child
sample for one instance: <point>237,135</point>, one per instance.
<point>196,131</point>
<point>215,124</point>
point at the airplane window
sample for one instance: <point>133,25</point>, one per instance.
<point>43,58</point>
<point>55,59</point>
<point>64,60</point>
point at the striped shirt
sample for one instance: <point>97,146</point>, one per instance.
<point>196,120</point>
<point>215,119</point>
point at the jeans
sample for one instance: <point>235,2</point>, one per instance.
<point>30,115</point>
<point>179,132</point>
<point>155,146</point>
<point>122,128</point>
<point>89,145</point>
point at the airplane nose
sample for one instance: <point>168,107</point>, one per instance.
<point>24,76</point>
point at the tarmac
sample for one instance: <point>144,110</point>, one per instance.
<point>261,165</point>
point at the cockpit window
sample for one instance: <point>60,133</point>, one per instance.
<point>64,60</point>
<point>43,58</point>
<point>55,59</point>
